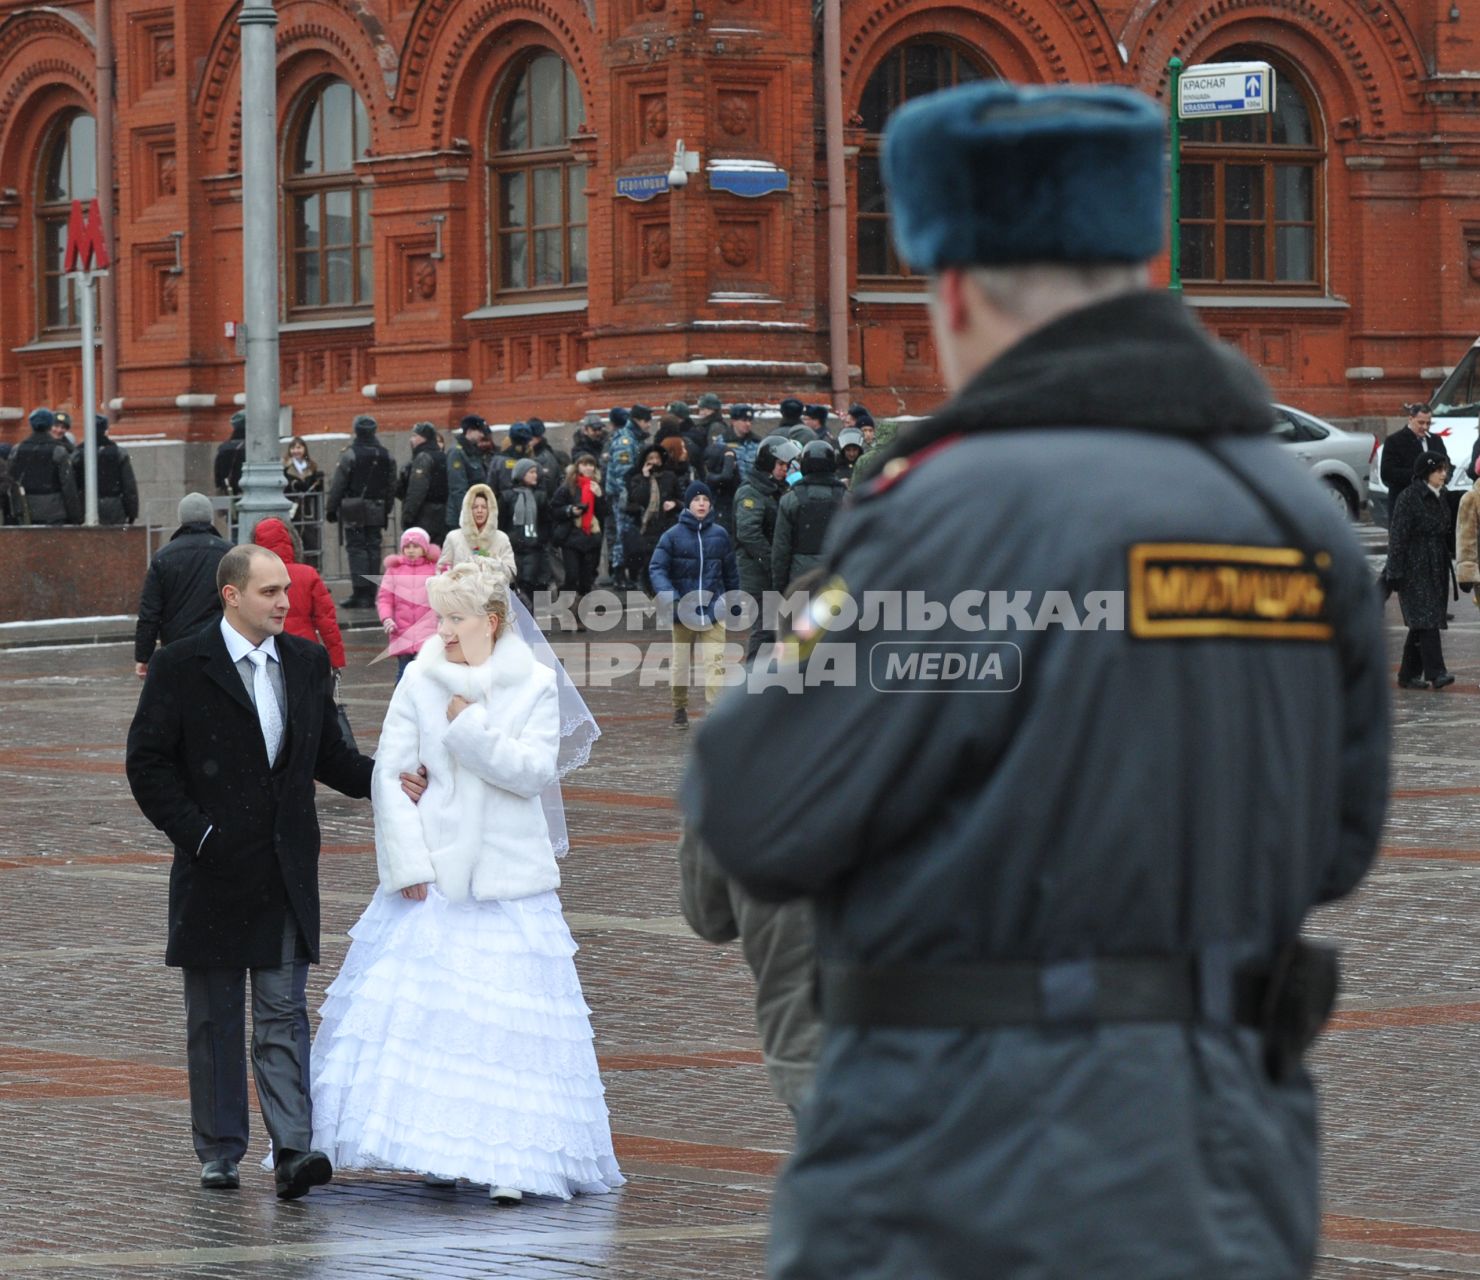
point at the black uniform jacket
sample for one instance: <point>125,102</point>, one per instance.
<point>1180,749</point>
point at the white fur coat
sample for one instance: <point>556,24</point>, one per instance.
<point>479,830</point>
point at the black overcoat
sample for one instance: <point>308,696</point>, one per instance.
<point>1418,556</point>
<point>196,760</point>
<point>1399,452</point>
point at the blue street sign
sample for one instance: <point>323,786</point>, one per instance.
<point>643,187</point>
<point>749,183</point>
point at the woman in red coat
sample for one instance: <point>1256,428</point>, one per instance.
<point>310,607</point>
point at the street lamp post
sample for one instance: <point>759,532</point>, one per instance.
<point>1175,67</point>
<point>262,475</point>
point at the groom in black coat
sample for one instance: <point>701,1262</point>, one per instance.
<point>234,725</point>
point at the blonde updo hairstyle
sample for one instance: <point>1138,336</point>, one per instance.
<point>477,586</point>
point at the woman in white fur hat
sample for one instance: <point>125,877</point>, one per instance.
<point>478,536</point>
<point>455,1041</point>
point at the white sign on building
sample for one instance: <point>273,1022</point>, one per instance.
<point>1226,89</point>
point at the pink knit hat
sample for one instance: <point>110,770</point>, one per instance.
<point>418,536</point>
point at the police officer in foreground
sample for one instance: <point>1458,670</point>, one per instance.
<point>42,466</point>
<point>361,496</point>
<point>1059,894</point>
<point>118,491</point>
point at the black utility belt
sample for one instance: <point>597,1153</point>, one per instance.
<point>1287,1001</point>
<point>1027,993</point>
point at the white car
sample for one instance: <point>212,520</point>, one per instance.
<point>1456,410</point>
<point>1338,459</point>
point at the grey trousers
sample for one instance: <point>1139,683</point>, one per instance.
<point>215,1022</point>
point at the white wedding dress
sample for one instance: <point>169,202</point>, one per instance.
<point>455,1041</point>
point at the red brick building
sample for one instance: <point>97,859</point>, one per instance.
<point>464,224</point>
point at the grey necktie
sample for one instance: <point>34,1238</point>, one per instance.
<point>269,715</point>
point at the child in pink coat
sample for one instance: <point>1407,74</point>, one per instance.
<point>402,599</point>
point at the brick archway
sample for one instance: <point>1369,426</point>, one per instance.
<point>1344,60</point>
<point>47,68</point>
<point>1011,35</point>
<point>439,76</point>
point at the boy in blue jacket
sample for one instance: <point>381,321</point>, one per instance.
<point>694,566</point>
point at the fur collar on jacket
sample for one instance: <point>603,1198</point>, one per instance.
<point>510,663</point>
<point>485,541</point>
<point>480,831</point>
<point>425,567</point>
<point>1139,361</point>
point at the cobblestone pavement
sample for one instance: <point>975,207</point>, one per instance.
<point>97,1177</point>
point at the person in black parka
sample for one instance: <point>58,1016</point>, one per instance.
<point>361,496</point>
<point>654,495</point>
<point>756,505</point>
<point>526,519</point>
<point>11,509</point>
<point>1402,449</point>
<point>722,475</point>
<point>580,511</point>
<point>42,466</point>
<point>424,503</point>
<point>118,491</point>
<point>1419,570</point>
<point>180,596</point>
<point>804,514</point>
<point>231,456</point>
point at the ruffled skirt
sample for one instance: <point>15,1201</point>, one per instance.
<point>456,1042</point>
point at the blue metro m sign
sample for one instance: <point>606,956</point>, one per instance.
<point>1226,89</point>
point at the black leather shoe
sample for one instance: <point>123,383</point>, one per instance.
<point>1414,682</point>
<point>220,1175</point>
<point>1444,681</point>
<point>299,1171</point>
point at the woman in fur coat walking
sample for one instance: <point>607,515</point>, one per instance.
<point>477,535</point>
<point>455,1041</point>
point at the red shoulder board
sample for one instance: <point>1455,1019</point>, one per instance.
<point>896,470</point>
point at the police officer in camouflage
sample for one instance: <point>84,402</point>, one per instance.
<point>1062,825</point>
<point>622,455</point>
<point>42,466</point>
<point>361,497</point>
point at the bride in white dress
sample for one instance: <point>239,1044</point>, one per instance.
<point>455,1041</point>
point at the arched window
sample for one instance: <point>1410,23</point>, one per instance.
<point>1251,193</point>
<point>537,190</point>
<point>330,255</point>
<point>69,171</point>
<point>917,67</point>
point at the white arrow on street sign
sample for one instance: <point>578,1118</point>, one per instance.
<point>1226,89</point>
